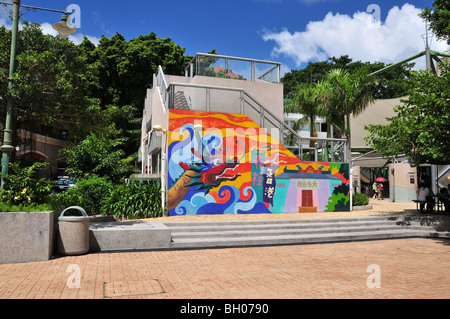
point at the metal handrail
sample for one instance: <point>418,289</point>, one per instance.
<point>162,75</point>
<point>232,58</point>
<point>189,67</point>
<point>261,77</point>
<point>224,88</point>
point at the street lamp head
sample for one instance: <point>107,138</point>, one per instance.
<point>159,128</point>
<point>64,27</point>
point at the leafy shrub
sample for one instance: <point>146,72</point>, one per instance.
<point>360,199</point>
<point>4,207</point>
<point>134,201</point>
<point>88,193</point>
<point>96,156</point>
<point>21,187</point>
<point>100,196</point>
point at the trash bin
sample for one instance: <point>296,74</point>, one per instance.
<point>73,232</point>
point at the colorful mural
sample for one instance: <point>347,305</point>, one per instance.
<point>222,163</point>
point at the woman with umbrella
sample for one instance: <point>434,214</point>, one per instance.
<point>380,181</point>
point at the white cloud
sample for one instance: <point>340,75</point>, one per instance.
<point>395,39</point>
<point>4,16</point>
<point>76,38</point>
<point>48,29</point>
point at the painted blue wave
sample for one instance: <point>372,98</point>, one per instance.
<point>198,203</point>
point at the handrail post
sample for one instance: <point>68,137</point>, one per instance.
<point>208,99</point>
<point>241,102</point>
<point>279,74</point>
<point>227,68</point>
<point>253,71</point>
<point>261,117</point>
<point>171,97</point>
<point>197,65</point>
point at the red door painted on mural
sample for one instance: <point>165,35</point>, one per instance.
<point>307,202</point>
<point>307,198</point>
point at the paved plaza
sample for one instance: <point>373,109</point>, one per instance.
<point>401,268</point>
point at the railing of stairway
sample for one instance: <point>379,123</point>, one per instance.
<point>225,66</point>
<point>209,98</point>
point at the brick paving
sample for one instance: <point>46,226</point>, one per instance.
<point>414,268</point>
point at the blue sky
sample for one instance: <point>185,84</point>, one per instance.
<point>293,32</point>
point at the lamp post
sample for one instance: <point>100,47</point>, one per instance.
<point>64,29</point>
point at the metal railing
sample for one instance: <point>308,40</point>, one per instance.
<point>209,98</point>
<point>225,66</point>
<point>161,83</point>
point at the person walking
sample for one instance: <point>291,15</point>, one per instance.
<point>444,197</point>
<point>375,190</point>
<point>380,191</point>
<point>424,195</point>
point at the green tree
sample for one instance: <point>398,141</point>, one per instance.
<point>391,83</point>
<point>97,155</point>
<point>421,128</point>
<point>439,19</point>
<point>350,94</point>
<point>306,101</point>
<point>124,72</point>
<point>50,91</point>
<point>123,123</point>
<point>126,68</point>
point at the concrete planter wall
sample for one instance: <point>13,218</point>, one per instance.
<point>26,237</point>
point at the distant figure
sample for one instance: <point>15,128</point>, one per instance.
<point>445,198</point>
<point>380,191</point>
<point>375,189</point>
<point>425,195</point>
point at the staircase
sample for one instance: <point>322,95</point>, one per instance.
<point>204,97</point>
<point>180,101</point>
<point>301,231</point>
<point>126,236</point>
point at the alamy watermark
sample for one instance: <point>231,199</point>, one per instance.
<point>374,279</point>
<point>75,16</point>
<point>74,279</point>
<point>374,20</point>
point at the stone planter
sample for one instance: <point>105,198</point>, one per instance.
<point>26,237</point>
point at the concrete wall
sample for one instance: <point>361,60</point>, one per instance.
<point>375,113</point>
<point>26,237</point>
<point>269,94</point>
<point>402,182</point>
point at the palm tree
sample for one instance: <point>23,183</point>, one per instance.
<point>350,94</point>
<point>306,101</point>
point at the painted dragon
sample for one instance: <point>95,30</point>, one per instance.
<point>204,175</point>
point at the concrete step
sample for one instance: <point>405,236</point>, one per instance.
<point>282,231</point>
<point>312,238</point>
<point>267,225</point>
<point>300,221</point>
<point>296,231</point>
<point>117,236</point>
